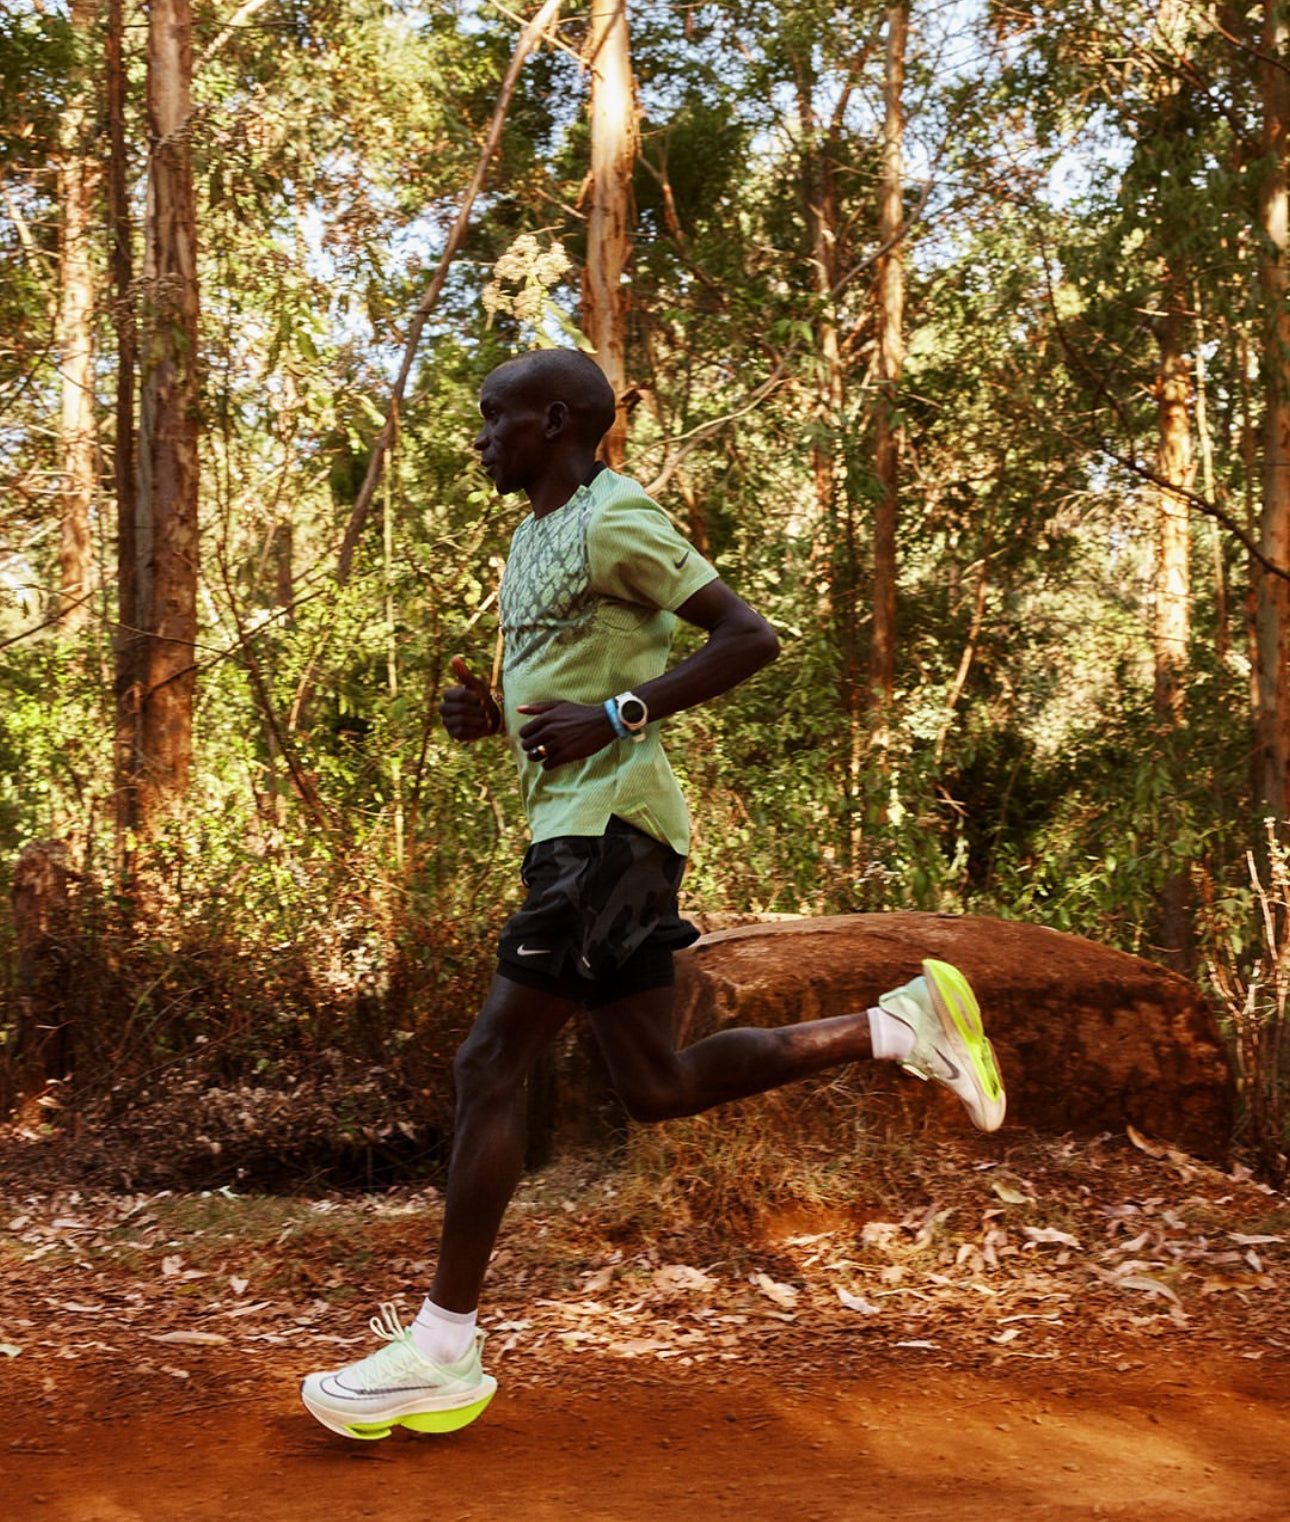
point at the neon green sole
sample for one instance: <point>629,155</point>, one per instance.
<point>959,1002</point>
<point>422,1421</point>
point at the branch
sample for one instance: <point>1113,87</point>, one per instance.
<point>1130,461</point>
<point>243,14</point>
<point>529,39</point>
<point>696,436</point>
<point>899,236</point>
<point>305,790</point>
<point>1201,504</point>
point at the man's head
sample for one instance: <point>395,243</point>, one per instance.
<point>543,416</point>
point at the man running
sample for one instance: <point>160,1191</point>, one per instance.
<point>595,580</point>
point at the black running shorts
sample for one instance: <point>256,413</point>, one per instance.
<point>600,921</point>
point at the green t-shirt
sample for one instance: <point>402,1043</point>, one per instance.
<point>587,606</point>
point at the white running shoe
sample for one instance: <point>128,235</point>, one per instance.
<point>398,1386</point>
<point>950,1046</point>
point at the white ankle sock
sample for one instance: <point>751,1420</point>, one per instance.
<point>444,1336</point>
<point>890,1038</point>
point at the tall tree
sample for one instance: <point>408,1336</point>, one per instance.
<point>1273,611</point>
<point>1175,468</point>
<point>614,141</point>
<point>127,644</point>
<point>166,545</point>
<point>889,297</point>
<point>1171,612</point>
<point>823,139</point>
<point>76,177</point>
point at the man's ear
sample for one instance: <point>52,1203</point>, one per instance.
<point>558,419</point>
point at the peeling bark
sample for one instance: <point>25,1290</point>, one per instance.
<point>76,177</point>
<point>889,287</point>
<point>1273,605</point>
<point>614,138</point>
<point>166,524</point>
<point>127,645</point>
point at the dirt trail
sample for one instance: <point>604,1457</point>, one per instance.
<point>1062,1330</point>
<point>1168,1441</point>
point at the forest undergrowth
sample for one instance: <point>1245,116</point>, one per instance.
<point>942,1250</point>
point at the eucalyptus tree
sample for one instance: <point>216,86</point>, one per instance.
<point>614,138</point>
<point>1153,306</point>
<point>38,56</point>
<point>160,688</point>
<point>77,176</point>
<point>889,300</point>
<point>1269,55</point>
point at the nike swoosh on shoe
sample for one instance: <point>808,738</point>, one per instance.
<point>953,1069</point>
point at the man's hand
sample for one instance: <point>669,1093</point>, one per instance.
<point>563,732</point>
<point>468,711</point>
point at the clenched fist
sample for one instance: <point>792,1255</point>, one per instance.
<point>469,711</point>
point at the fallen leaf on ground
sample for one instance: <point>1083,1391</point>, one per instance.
<point>1010,1195</point>
<point>680,1276</point>
<point>1049,1235</point>
<point>857,1303</point>
<point>196,1339</point>
<point>784,1295</point>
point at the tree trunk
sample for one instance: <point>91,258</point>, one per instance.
<point>834,499</point>
<point>1171,620</point>
<point>614,131</point>
<point>39,906</point>
<point>1171,615</point>
<point>1273,614</point>
<point>127,646</point>
<point>76,175</point>
<point>166,544</point>
<point>890,303</point>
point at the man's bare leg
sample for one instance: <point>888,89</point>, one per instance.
<point>931,1026</point>
<point>657,1082</point>
<point>513,1029</point>
<point>429,1376</point>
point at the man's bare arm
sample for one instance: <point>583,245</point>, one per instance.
<point>740,642</point>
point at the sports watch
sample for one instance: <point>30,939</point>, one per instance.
<point>633,715</point>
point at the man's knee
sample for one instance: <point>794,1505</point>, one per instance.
<point>652,1100</point>
<point>484,1070</point>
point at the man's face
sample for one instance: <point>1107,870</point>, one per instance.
<point>512,442</point>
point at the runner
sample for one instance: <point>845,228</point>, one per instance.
<point>593,585</point>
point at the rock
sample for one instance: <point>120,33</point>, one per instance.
<point>1089,1039</point>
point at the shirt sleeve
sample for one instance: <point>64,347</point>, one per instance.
<point>635,555</point>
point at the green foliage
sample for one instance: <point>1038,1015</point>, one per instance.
<point>342,867</point>
<point>37,53</point>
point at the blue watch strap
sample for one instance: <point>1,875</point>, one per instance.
<point>611,713</point>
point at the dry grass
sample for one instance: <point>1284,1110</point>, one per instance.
<point>958,1249</point>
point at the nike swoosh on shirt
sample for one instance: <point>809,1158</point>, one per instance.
<point>677,564</point>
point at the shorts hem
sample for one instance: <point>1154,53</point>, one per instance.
<point>654,969</point>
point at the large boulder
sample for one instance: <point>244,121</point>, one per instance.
<point>1089,1039</point>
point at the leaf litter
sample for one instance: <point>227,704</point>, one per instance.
<point>1070,1251</point>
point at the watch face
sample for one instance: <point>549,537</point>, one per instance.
<point>632,712</point>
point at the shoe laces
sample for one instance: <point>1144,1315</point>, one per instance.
<point>386,1324</point>
<point>398,1354</point>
